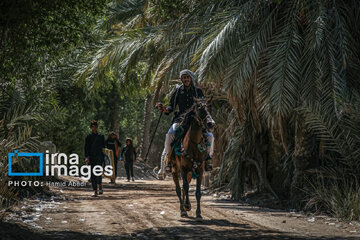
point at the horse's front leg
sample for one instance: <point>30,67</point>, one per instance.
<point>198,196</point>
<point>184,175</point>
<point>178,193</point>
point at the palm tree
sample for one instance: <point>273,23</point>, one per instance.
<point>278,58</point>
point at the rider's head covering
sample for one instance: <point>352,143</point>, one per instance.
<point>188,72</point>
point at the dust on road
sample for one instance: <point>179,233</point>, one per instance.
<point>144,209</point>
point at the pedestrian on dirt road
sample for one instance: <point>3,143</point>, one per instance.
<point>94,155</point>
<point>114,144</point>
<point>129,153</point>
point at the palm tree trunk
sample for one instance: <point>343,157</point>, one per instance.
<point>149,103</point>
<point>146,125</point>
<point>114,120</point>
<point>301,160</point>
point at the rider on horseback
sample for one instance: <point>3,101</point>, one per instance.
<point>183,97</point>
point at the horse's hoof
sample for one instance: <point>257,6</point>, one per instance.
<point>187,206</point>
<point>184,214</point>
<point>199,218</point>
<point>161,177</point>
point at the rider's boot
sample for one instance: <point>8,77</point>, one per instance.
<point>168,165</point>
<point>168,169</point>
<point>169,162</point>
<point>161,173</point>
<point>165,168</point>
<point>208,165</point>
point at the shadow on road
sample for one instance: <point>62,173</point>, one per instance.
<point>196,230</point>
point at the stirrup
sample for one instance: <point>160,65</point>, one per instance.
<point>161,176</point>
<point>168,166</point>
<point>208,166</point>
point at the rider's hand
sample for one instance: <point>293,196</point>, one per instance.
<point>87,161</point>
<point>162,108</point>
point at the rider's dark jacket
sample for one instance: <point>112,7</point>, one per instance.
<point>184,98</point>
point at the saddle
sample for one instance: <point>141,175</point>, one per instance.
<point>180,133</point>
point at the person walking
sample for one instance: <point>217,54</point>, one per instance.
<point>94,155</point>
<point>129,153</point>
<point>114,144</point>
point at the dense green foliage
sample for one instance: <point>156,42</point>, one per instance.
<point>37,50</point>
<point>39,101</point>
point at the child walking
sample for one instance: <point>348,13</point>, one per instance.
<point>129,153</point>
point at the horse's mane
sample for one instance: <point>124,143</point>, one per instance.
<point>183,116</point>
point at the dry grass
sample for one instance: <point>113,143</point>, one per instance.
<point>336,195</point>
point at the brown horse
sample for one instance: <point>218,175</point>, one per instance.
<point>191,164</point>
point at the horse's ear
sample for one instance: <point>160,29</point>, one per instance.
<point>209,99</point>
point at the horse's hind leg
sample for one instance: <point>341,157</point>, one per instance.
<point>178,192</point>
<point>187,204</point>
<point>198,197</point>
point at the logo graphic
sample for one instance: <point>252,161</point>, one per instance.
<point>60,164</point>
<point>15,153</point>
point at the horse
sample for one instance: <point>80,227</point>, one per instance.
<point>191,163</point>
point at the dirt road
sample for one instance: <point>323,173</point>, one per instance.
<point>148,209</point>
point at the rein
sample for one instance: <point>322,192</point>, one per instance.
<point>197,118</point>
<point>200,121</point>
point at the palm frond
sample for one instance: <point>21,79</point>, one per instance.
<point>334,134</point>
<point>121,11</point>
<point>241,70</point>
<point>118,57</point>
<point>280,75</point>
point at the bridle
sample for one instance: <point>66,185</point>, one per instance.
<point>203,122</point>
<point>195,109</point>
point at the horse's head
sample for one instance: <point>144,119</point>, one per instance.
<point>202,113</point>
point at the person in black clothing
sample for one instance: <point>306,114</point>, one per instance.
<point>94,155</point>
<point>130,157</point>
<point>114,144</point>
<point>183,96</point>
